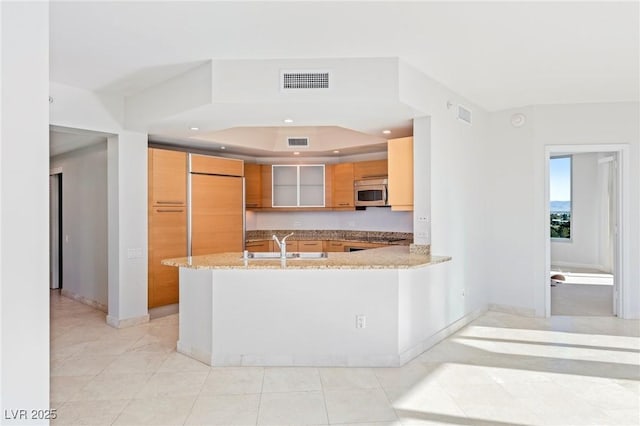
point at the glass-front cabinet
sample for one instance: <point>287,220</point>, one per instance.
<point>298,185</point>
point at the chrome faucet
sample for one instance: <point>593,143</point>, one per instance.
<point>282,244</point>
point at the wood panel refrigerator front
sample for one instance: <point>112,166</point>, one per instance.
<point>167,222</point>
<point>216,214</point>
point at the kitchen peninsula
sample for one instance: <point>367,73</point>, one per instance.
<point>378,307</point>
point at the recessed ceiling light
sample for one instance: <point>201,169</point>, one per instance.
<point>296,153</point>
<point>335,151</point>
<point>223,147</point>
<point>386,132</point>
<point>194,128</point>
<point>288,120</point>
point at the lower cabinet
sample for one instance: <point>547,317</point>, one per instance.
<point>331,245</point>
<point>167,239</point>
<point>259,246</point>
<point>307,246</point>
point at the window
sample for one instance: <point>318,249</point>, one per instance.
<point>560,197</point>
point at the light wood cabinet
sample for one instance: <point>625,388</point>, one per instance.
<point>333,245</point>
<point>259,246</point>
<point>370,169</point>
<point>167,177</point>
<point>253,185</point>
<point>342,186</point>
<point>167,239</point>
<point>307,246</point>
<point>291,246</point>
<point>216,214</point>
<point>400,153</point>
<point>216,165</point>
<point>167,222</point>
<point>265,185</point>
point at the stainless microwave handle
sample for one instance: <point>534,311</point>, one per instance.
<point>384,195</point>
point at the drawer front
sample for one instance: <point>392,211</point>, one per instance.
<point>310,246</point>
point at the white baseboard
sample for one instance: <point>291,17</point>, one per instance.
<point>514,310</point>
<point>434,339</point>
<point>127,322</point>
<point>84,300</point>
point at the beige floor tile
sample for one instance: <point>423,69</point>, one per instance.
<point>358,405</point>
<point>292,408</point>
<point>136,362</point>
<point>93,413</point>
<point>61,388</point>
<point>291,379</point>
<point>408,375</point>
<point>172,384</point>
<point>87,365</point>
<point>177,362</point>
<point>428,402</point>
<point>510,413</point>
<point>108,346</point>
<point>112,386</point>
<point>165,411</point>
<point>348,378</point>
<point>227,410</point>
<point>233,381</point>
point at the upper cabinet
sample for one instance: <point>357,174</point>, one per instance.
<point>342,186</point>
<point>370,169</point>
<point>298,185</point>
<point>168,177</point>
<point>400,153</point>
<point>216,165</point>
<point>253,185</point>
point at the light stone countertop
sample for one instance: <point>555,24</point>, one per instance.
<point>392,257</point>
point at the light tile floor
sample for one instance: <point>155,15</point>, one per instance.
<point>500,370</point>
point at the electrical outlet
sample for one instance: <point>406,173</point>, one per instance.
<point>351,223</point>
<point>297,224</point>
<point>361,321</point>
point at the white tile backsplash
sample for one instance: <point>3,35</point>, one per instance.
<point>371,219</point>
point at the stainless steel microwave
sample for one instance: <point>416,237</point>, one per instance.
<point>371,192</point>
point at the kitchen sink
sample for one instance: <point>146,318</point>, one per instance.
<point>292,255</point>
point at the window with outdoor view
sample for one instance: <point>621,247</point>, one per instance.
<point>560,197</point>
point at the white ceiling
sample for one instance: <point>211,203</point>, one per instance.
<point>497,54</point>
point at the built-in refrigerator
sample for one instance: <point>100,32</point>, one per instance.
<point>216,214</point>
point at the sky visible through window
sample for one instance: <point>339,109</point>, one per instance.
<point>560,179</point>
<point>560,197</point>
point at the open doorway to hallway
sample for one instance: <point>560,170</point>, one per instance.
<point>584,242</point>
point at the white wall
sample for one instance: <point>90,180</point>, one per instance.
<point>84,212</point>
<point>371,219</point>
<point>24,224</point>
<point>451,178</point>
<point>582,249</point>
<point>128,232</point>
<point>518,231</point>
<point>77,108</point>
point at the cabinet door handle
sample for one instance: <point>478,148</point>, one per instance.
<point>170,202</point>
<point>309,244</point>
<point>169,210</point>
<point>343,204</point>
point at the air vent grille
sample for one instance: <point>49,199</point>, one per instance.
<point>298,142</point>
<point>464,114</point>
<point>305,80</point>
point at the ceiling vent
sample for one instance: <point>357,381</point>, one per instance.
<point>298,142</point>
<point>291,80</point>
<point>464,114</point>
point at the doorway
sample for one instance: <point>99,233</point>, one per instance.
<point>585,249</point>
<point>55,231</point>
